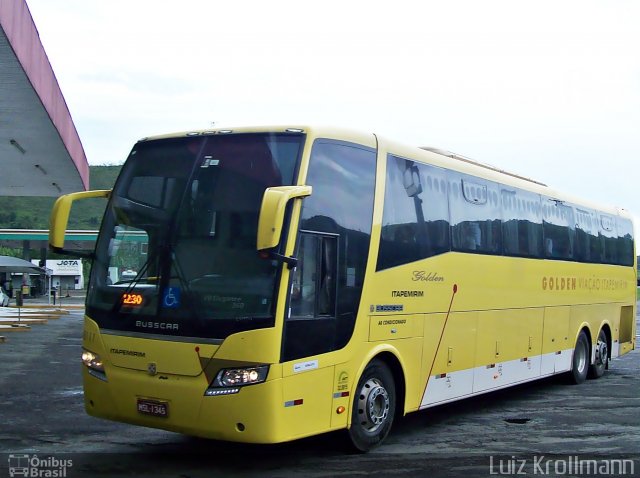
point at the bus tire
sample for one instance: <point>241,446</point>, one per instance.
<point>601,363</point>
<point>374,406</point>
<point>580,361</point>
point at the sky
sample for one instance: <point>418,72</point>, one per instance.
<point>546,89</point>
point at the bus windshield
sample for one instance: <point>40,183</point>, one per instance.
<point>176,254</point>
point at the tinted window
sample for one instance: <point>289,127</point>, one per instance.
<point>415,221</point>
<point>314,288</point>
<point>335,227</point>
<point>147,190</point>
<point>180,230</point>
<point>625,242</point>
<point>559,230</point>
<point>342,178</point>
<point>522,223</point>
<point>608,239</point>
<point>475,214</point>
<point>588,247</point>
<point>485,217</point>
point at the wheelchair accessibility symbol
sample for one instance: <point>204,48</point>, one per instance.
<point>171,298</point>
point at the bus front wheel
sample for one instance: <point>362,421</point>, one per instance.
<point>373,407</point>
<point>580,362</point>
<point>602,356</point>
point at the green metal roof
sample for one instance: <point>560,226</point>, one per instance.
<point>43,235</point>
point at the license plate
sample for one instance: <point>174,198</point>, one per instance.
<point>153,408</point>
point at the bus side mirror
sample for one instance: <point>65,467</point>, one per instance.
<point>60,215</point>
<point>274,203</point>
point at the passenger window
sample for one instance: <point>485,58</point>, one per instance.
<point>625,242</point>
<point>608,239</point>
<point>559,230</point>
<point>521,223</point>
<point>475,215</point>
<point>588,247</point>
<point>415,220</point>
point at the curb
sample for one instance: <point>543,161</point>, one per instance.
<point>23,321</point>
<point>48,306</point>
<point>14,328</point>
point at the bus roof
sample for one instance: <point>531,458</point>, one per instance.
<point>436,156</point>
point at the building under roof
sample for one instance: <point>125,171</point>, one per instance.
<point>40,150</point>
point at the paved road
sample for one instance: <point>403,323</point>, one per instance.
<point>539,425</point>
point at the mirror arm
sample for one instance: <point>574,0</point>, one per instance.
<point>291,262</point>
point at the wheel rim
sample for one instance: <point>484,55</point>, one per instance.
<point>581,358</point>
<point>602,352</point>
<point>373,405</point>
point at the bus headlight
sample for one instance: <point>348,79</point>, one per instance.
<point>93,362</point>
<point>235,377</point>
<point>229,380</point>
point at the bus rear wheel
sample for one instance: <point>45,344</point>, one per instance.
<point>580,362</point>
<point>602,356</point>
<point>373,407</point>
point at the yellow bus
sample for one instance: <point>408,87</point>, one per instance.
<point>266,284</point>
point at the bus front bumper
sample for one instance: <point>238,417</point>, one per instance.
<point>252,415</point>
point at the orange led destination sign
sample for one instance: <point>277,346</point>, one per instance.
<point>133,300</point>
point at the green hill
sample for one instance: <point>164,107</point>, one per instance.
<point>33,212</point>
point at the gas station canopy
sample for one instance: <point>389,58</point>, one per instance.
<point>40,150</point>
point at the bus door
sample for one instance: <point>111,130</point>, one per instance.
<point>326,285</point>
<point>310,331</point>
<point>312,309</point>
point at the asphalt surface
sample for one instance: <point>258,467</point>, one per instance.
<point>545,428</point>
